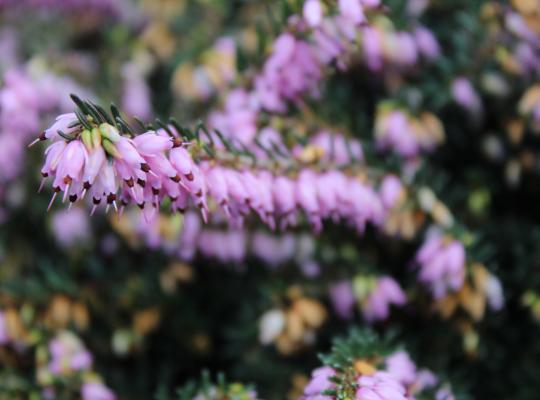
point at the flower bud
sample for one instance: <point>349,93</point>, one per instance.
<point>111,149</point>
<point>109,132</point>
<point>86,137</point>
<point>96,137</point>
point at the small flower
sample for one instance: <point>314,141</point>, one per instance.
<point>426,42</point>
<point>152,144</point>
<point>380,386</point>
<point>71,227</point>
<point>342,297</point>
<point>313,12</point>
<point>68,354</point>
<point>494,293</point>
<point>444,394</point>
<point>400,365</point>
<point>465,95</point>
<point>385,293</point>
<point>352,9</point>
<point>62,124</point>
<point>391,191</point>
<point>96,391</point>
<point>320,381</point>
<point>442,265</point>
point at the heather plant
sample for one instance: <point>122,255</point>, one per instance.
<point>228,189</point>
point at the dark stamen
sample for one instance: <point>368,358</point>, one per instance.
<point>145,167</point>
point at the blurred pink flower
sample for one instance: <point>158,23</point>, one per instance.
<point>319,382</point>
<point>96,391</point>
<point>343,300</point>
<point>386,292</point>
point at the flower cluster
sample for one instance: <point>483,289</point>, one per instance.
<point>333,148</point>
<point>153,166</point>
<point>374,295</point>
<point>388,48</point>
<point>26,97</point>
<point>321,38</point>
<point>381,44</point>
<point>518,35</point>
<point>359,368</point>
<point>66,356</point>
<point>483,290</point>
<point>509,36</point>
<point>296,65</point>
<point>62,361</point>
<point>293,69</point>
<point>402,220</point>
<point>400,365</point>
<point>455,283</point>
<point>188,237</point>
<point>406,134</point>
<point>442,265</point>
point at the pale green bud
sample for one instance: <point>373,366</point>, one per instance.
<point>109,132</point>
